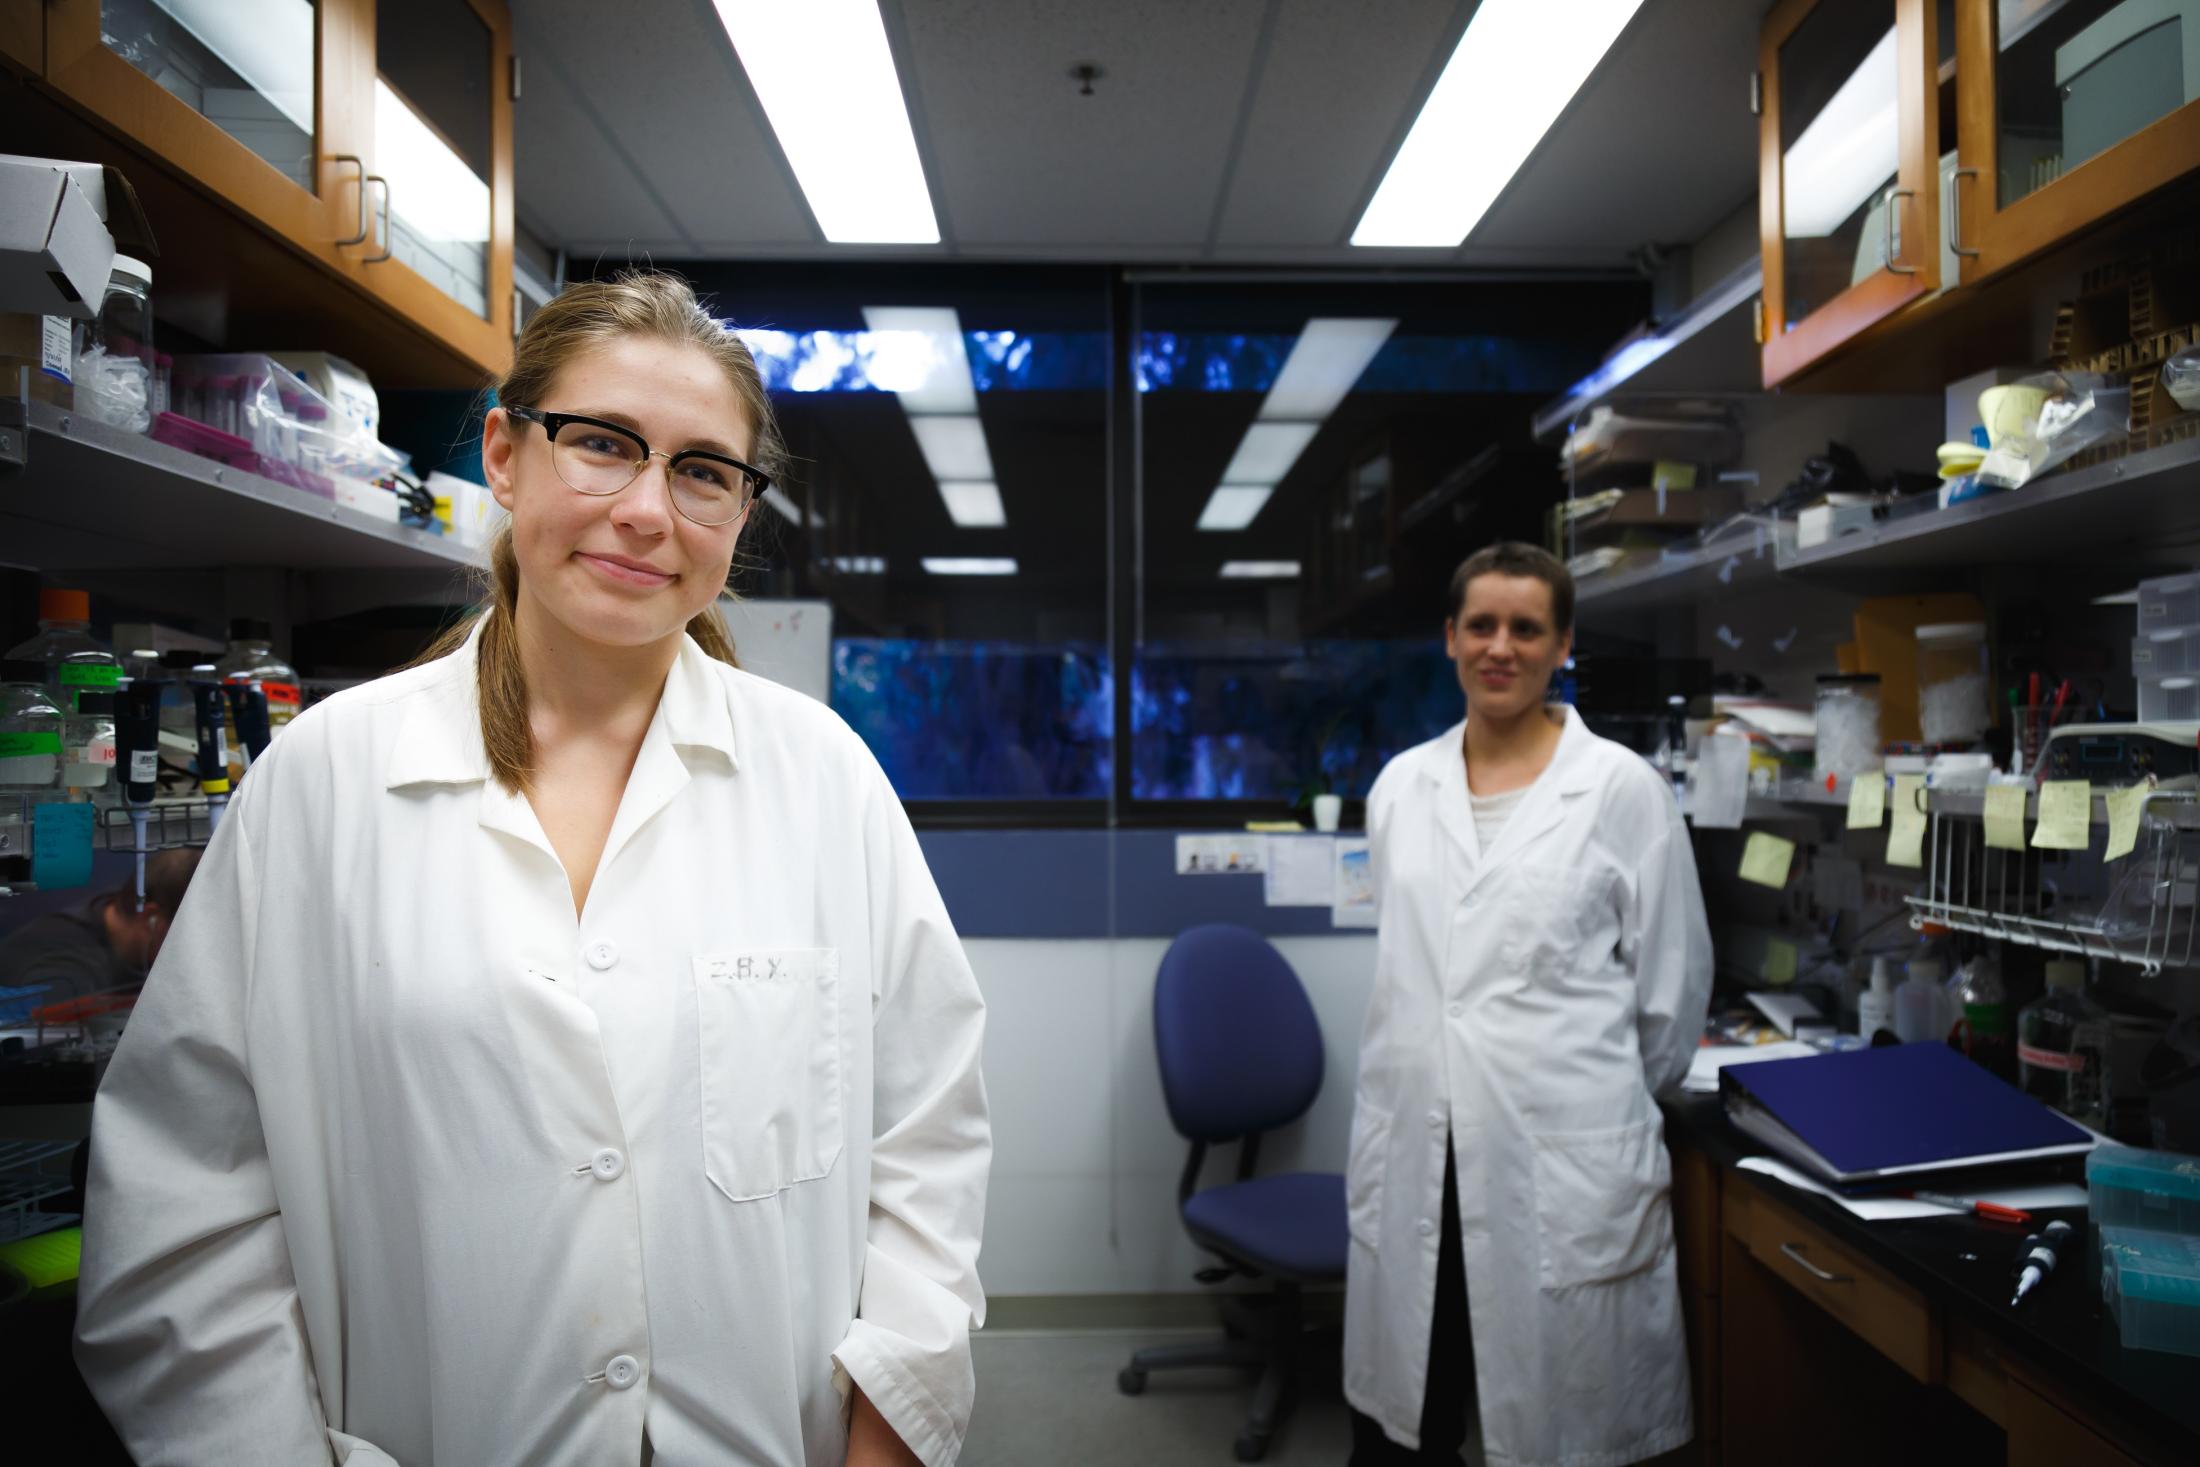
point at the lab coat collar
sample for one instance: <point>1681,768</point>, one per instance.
<point>1572,773</point>
<point>440,739</point>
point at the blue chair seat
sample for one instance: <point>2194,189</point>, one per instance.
<point>1291,1225</point>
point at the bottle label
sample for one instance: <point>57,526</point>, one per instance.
<point>144,766</point>
<point>2048,1059</point>
<point>92,676</point>
<point>22,745</point>
<point>56,355</point>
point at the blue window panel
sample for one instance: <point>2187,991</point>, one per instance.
<point>981,720</point>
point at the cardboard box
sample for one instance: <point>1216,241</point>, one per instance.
<point>44,346</point>
<point>61,225</point>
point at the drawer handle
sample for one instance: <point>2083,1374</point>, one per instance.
<point>1793,1252</point>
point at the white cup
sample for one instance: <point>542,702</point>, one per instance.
<point>1328,810</point>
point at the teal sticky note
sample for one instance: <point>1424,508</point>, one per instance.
<point>61,846</point>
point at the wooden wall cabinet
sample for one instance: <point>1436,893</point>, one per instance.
<point>2070,110</point>
<point>1849,178</point>
<point>270,109</point>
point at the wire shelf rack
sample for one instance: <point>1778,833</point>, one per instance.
<point>168,826</point>
<point>2145,917</point>
<point>32,1172</point>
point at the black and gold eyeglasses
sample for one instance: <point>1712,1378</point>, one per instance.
<point>600,458</point>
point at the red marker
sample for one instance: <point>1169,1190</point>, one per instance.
<point>1991,1211</point>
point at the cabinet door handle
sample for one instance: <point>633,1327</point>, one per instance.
<point>1955,213</point>
<point>360,237</point>
<point>378,259</point>
<point>1793,1252</point>
<point>1894,209</point>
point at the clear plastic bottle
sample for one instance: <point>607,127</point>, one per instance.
<point>75,661</point>
<point>88,747</point>
<point>2063,1044</point>
<point>30,732</point>
<point>1875,1007</point>
<point>251,658</point>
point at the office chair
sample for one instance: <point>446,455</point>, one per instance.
<point>1241,1054</point>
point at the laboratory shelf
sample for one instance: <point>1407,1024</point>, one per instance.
<point>2180,808</point>
<point>76,494</point>
<point>1690,576</point>
<point>1709,350</point>
<point>2141,508</point>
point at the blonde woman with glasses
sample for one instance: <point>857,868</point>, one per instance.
<point>563,1055</point>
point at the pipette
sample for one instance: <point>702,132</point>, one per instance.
<point>248,714</point>
<point>206,694</point>
<point>2039,1258</point>
<point>137,757</point>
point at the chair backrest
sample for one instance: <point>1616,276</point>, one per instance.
<point>1240,1049</point>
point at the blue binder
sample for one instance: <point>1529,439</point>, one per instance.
<point>1867,1114</point>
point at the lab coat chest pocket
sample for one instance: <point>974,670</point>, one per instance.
<point>1601,1205</point>
<point>1544,915</point>
<point>769,1023</point>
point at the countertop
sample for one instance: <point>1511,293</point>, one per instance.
<point>1968,1266</point>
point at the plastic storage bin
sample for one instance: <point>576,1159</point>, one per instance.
<point>2169,699</point>
<point>2169,603</point>
<point>2166,654</point>
<point>2158,1191</point>
<point>2152,1284</point>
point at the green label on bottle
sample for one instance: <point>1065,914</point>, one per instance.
<point>23,745</point>
<point>93,675</point>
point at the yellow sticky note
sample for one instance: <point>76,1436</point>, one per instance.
<point>1906,833</point>
<point>2066,815</point>
<point>2124,806</point>
<point>1765,859</point>
<point>1779,960</point>
<point>1867,800</point>
<point>2005,817</point>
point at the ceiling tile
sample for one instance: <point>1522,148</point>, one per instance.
<point>566,175</point>
<point>1022,158</point>
<point>1333,95</point>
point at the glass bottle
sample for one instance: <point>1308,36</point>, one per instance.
<point>114,365</point>
<point>1983,1003</point>
<point>30,732</point>
<point>74,660</point>
<point>251,658</point>
<point>88,746</point>
<point>2062,1047</point>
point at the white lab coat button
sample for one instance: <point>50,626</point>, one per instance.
<point>1428,1229</point>
<point>603,955</point>
<point>1457,1010</point>
<point>1435,1119</point>
<point>622,1371</point>
<point>608,1165</point>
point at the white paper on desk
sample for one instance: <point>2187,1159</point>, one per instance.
<point>1889,1209</point>
<point>1705,1064</point>
<point>1302,871</point>
<point>1719,782</point>
<point>1355,899</point>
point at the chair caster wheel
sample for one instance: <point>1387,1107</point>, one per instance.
<point>1130,1381</point>
<point>1250,1448</point>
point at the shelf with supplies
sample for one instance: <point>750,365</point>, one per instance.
<point>2137,506</point>
<point>2178,808</point>
<point>1732,564</point>
<point>77,494</point>
<point>1709,349</point>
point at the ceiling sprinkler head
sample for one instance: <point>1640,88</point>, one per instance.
<point>1084,73</point>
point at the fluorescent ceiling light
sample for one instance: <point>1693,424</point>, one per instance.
<point>1260,570</point>
<point>953,447</point>
<point>1267,452</point>
<point>1518,65</point>
<point>975,505</point>
<point>1849,151</point>
<point>1233,506</point>
<point>970,565</point>
<point>860,565</point>
<point>1325,361</point>
<point>916,353</point>
<point>826,79</point>
<point>789,511</point>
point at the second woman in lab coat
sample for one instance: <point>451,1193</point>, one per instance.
<point>563,1054</point>
<point>1542,970</point>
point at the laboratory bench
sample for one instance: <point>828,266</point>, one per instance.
<point>1815,1336</point>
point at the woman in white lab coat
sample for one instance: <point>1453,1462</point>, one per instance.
<point>563,1054</point>
<point>1542,970</point>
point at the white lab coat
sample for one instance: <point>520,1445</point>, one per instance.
<point>1531,999</point>
<point>399,1160</point>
